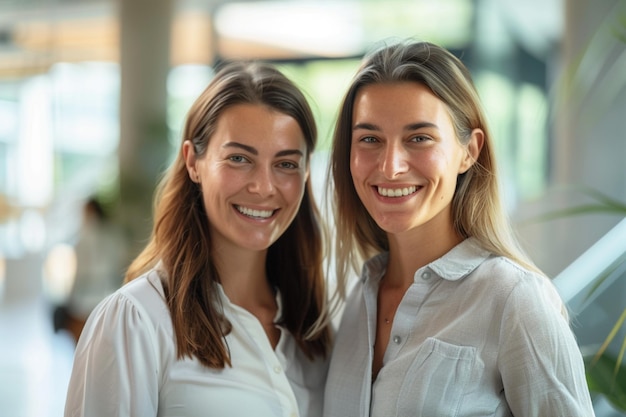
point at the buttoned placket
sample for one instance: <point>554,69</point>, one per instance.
<point>275,360</point>
<point>406,314</point>
<point>280,371</point>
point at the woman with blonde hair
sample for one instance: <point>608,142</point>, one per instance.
<point>449,318</point>
<point>223,313</point>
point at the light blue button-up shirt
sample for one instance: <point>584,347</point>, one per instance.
<point>474,335</point>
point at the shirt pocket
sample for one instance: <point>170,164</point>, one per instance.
<point>437,380</point>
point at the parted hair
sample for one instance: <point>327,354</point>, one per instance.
<point>180,243</point>
<point>477,209</point>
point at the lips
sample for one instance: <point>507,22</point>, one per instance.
<point>396,192</point>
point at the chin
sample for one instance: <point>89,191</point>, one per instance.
<point>392,224</point>
<point>253,244</point>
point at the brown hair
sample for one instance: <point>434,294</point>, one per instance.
<point>180,243</point>
<point>476,206</point>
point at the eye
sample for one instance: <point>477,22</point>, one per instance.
<point>369,139</point>
<point>239,159</point>
<point>288,165</point>
<point>420,138</point>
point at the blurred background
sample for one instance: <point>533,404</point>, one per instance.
<point>93,94</point>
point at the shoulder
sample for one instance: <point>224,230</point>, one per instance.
<point>506,273</point>
<point>123,353</point>
<point>518,288</point>
<point>146,293</point>
<point>470,268</point>
<point>138,306</point>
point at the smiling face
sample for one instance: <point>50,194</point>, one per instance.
<point>405,157</point>
<point>252,176</point>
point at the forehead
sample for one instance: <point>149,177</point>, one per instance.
<point>398,107</point>
<point>403,102</point>
<point>258,125</point>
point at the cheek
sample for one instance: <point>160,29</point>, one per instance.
<point>293,187</point>
<point>292,195</point>
<point>359,164</point>
<point>355,174</point>
<point>353,168</point>
<point>437,163</point>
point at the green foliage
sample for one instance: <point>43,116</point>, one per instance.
<point>606,375</point>
<point>600,203</point>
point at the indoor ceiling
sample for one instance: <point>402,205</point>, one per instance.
<point>34,34</point>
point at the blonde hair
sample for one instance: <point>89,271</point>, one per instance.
<point>476,206</point>
<point>180,243</point>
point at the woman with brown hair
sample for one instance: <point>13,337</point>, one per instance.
<point>223,313</point>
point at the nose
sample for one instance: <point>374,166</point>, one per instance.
<point>394,160</point>
<point>262,181</point>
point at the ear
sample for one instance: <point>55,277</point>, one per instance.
<point>189,154</point>
<point>473,148</point>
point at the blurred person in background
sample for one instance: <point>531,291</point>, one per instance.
<point>450,318</point>
<point>99,252</point>
<point>223,311</point>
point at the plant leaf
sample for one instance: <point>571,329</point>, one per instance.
<point>604,199</point>
<point>602,204</point>
<point>605,274</point>
<point>602,379</point>
<point>609,338</point>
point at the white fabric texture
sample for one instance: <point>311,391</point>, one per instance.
<point>475,335</point>
<point>126,365</point>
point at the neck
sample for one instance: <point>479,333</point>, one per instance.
<point>411,250</point>
<point>243,278</point>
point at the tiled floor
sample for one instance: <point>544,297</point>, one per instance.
<point>35,362</point>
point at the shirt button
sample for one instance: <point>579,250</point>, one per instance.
<point>426,275</point>
<point>397,340</point>
<point>277,369</point>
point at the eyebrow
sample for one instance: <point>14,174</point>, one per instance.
<point>409,127</point>
<point>254,151</point>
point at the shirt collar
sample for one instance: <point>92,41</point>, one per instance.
<point>458,263</point>
<point>226,301</point>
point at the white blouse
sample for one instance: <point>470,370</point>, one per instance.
<point>126,365</point>
<point>474,335</point>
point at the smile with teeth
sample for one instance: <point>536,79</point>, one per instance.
<point>257,214</point>
<point>396,192</point>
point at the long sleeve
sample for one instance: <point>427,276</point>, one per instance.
<point>541,365</point>
<point>116,368</point>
